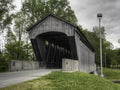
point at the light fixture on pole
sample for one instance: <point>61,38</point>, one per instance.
<point>99,16</point>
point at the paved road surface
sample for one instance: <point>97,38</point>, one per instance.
<point>10,78</point>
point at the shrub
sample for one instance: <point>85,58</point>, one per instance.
<point>3,63</point>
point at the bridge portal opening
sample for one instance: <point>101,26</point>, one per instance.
<point>52,47</point>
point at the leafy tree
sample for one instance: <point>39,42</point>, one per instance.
<point>5,16</point>
<point>10,37</point>
<point>20,26</point>
<point>18,51</point>
<point>34,10</point>
<point>118,40</point>
<point>118,55</point>
<point>93,38</point>
<point>97,31</point>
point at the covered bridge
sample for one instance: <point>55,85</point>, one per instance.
<point>54,39</point>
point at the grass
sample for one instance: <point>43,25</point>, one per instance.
<point>66,81</point>
<point>111,74</point>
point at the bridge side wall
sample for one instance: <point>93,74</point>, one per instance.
<point>85,56</point>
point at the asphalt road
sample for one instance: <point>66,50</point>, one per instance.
<point>10,78</point>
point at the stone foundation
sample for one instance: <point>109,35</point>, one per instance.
<point>69,65</point>
<point>17,65</point>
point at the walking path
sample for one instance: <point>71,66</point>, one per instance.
<point>10,78</point>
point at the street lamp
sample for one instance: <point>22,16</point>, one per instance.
<point>99,16</point>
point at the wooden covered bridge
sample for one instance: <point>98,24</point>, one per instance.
<point>53,39</point>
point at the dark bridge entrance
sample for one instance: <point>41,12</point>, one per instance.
<point>52,47</point>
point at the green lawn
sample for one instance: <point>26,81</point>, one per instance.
<point>112,74</point>
<point>66,81</point>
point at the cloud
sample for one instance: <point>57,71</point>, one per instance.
<point>86,12</point>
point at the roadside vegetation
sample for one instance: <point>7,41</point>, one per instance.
<point>112,74</point>
<point>66,81</point>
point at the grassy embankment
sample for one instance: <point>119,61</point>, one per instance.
<point>112,74</point>
<point>68,81</point>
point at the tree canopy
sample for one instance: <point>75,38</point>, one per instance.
<point>5,12</point>
<point>34,10</point>
<point>110,56</point>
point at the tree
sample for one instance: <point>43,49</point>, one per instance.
<point>5,16</point>
<point>118,55</point>
<point>10,37</point>
<point>19,51</point>
<point>20,26</point>
<point>118,40</point>
<point>34,10</point>
<point>3,63</point>
<point>93,38</point>
<point>97,31</point>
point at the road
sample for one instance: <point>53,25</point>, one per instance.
<point>10,78</point>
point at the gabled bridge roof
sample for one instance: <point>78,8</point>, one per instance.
<point>77,30</point>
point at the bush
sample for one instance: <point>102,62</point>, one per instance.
<point>3,63</point>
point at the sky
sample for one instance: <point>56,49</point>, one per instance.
<point>86,13</point>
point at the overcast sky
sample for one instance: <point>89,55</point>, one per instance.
<point>86,12</point>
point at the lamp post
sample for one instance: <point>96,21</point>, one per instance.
<point>105,59</point>
<point>99,16</point>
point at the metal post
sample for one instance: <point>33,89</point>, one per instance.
<point>105,59</point>
<point>99,17</point>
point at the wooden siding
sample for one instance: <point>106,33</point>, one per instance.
<point>51,24</point>
<point>85,56</point>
